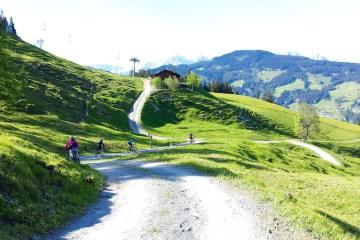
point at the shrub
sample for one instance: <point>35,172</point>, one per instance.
<point>193,80</point>
<point>158,83</point>
<point>172,83</point>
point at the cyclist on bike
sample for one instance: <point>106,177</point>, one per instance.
<point>100,146</point>
<point>73,148</point>
<point>131,145</point>
<point>191,138</point>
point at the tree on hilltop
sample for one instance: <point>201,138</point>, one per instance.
<point>4,25</point>
<point>193,80</point>
<point>11,27</point>
<point>309,120</point>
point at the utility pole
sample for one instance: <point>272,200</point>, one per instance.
<point>135,60</point>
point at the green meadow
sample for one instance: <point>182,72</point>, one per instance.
<point>316,196</point>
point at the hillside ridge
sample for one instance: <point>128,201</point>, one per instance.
<point>290,79</point>
<point>44,100</point>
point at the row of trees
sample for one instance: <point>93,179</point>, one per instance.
<point>143,73</point>
<point>352,117</point>
<point>7,26</point>
<point>219,87</point>
<point>225,87</point>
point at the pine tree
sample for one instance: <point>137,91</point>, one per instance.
<point>12,26</point>
<point>4,25</point>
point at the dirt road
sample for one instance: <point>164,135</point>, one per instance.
<point>146,200</point>
<point>135,113</point>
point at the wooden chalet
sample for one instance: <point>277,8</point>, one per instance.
<point>165,74</point>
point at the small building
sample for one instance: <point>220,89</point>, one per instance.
<point>165,74</point>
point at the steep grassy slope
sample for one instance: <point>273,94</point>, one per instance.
<point>45,99</point>
<point>329,129</point>
<point>316,196</point>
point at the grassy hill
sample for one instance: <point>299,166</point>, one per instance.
<point>316,196</point>
<point>289,78</point>
<point>43,100</point>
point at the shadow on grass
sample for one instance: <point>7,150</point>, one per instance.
<point>240,163</point>
<point>319,169</point>
<point>200,152</point>
<point>211,171</point>
<point>203,153</point>
<point>344,225</point>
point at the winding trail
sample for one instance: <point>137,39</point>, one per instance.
<point>135,113</point>
<point>323,154</point>
<point>154,200</point>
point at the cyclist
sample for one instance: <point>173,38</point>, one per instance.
<point>100,146</point>
<point>73,147</point>
<point>191,138</point>
<point>131,145</point>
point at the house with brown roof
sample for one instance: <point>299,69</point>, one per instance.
<point>166,74</point>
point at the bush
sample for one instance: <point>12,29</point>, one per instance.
<point>172,83</point>
<point>158,83</point>
<point>193,80</point>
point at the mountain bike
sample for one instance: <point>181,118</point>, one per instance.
<point>132,148</point>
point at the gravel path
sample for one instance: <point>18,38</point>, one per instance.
<point>149,150</point>
<point>151,200</point>
<point>324,155</point>
<point>135,113</point>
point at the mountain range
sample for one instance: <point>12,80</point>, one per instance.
<point>109,68</point>
<point>333,87</point>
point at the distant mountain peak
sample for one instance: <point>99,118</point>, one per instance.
<point>174,61</point>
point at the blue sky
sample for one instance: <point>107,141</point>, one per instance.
<point>110,32</point>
